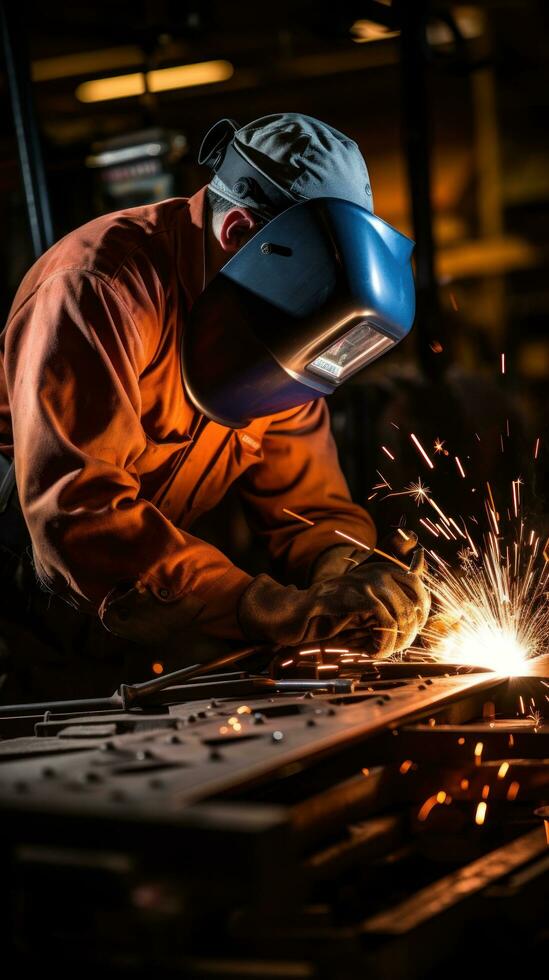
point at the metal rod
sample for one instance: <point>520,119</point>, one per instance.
<point>62,707</point>
<point>26,130</point>
<point>128,695</point>
<point>133,693</point>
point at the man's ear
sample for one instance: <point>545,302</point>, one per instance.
<point>237,227</point>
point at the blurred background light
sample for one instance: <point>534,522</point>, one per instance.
<point>158,80</point>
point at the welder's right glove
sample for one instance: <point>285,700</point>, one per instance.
<point>376,607</point>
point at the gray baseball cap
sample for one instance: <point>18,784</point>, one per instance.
<point>284,159</point>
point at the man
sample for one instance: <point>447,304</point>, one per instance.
<point>118,448</point>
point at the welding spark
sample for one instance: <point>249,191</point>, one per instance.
<point>418,491</point>
<point>429,525</point>
<point>298,517</point>
<point>480,814</point>
<point>385,482</point>
<point>495,606</point>
<point>360,544</point>
<point>425,809</point>
<point>417,443</point>
<point>536,718</point>
<point>439,445</point>
<point>377,551</point>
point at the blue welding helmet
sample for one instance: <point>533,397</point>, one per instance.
<point>323,289</point>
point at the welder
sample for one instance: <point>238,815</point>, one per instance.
<point>154,357</point>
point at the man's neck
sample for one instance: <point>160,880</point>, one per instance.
<point>214,256</point>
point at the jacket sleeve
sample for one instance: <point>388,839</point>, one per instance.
<point>300,472</point>
<point>73,357</point>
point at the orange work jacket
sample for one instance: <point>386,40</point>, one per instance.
<point>93,408</point>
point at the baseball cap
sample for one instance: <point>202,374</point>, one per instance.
<point>283,159</point>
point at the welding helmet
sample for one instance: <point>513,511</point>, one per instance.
<point>324,288</point>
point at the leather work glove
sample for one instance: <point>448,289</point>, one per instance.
<point>342,559</point>
<point>376,606</point>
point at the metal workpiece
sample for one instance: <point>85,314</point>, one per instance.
<point>327,825</point>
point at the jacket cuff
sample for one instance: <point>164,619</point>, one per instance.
<point>148,611</point>
<point>219,614</point>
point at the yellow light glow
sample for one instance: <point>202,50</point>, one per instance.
<point>480,815</point>
<point>186,76</point>
<point>363,31</point>
<point>159,80</point>
<point>117,87</point>
<point>426,807</point>
<point>485,645</point>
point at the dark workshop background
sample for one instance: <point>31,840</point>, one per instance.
<point>475,77</point>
